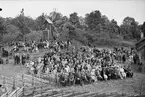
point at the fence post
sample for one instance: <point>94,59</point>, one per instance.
<point>4,81</point>
<point>33,84</point>
<point>16,93</point>
<point>140,90</point>
<point>62,93</point>
<point>13,87</point>
<point>56,83</point>
<point>23,84</point>
<point>41,84</point>
<point>4,84</point>
<point>123,87</point>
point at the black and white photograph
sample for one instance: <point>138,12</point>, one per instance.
<point>72,48</point>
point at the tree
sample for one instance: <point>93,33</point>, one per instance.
<point>12,35</point>
<point>39,22</point>
<point>11,29</point>
<point>105,23</point>
<point>130,28</point>
<point>74,19</point>
<point>30,23</point>
<point>93,20</point>
<point>128,21</point>
<point>114,27</point>
<point>59,24</point>
<point>2,26</point>
<point>21,22</point>
<point>83,24</point>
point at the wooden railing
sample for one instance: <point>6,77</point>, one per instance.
<point>6,94</point>
<point>17,92</point>
<point>16,85</point>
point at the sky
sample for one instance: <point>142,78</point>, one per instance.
<point>113,9</point>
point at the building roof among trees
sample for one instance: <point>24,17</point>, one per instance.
<point>48,20</point>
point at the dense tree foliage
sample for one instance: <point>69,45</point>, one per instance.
<point>39,22</point>
<point>2,26</point>
<point>23,23</point>
<point>74,19</point>
<point>91,28</point>
<point>130,28</point>
<point>94,20</point>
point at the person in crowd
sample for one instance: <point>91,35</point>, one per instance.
<point>1,60</point>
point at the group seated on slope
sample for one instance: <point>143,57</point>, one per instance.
<point>86,65</point>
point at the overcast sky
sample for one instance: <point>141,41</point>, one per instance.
<point>113,9</point>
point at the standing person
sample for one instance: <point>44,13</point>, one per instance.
<point>4,53</point>
<point>123,58</point>
<point>45,62</point>
<point>35,71</point>
<point>17,58</point>
<point>1,60</point>
<point>136,58</point>
<point>23,59</point>
<point>14,59</point>
<point>112,58</point>
<point>7,61</point>
<point>140,66</point>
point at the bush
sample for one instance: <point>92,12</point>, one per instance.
<point>11,29</point>
<point>8,38</point>
<point>36,36</point>
<point>12,34</point>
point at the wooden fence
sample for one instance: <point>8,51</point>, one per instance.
<point>16,86</point>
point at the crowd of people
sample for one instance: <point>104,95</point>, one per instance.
<point>69,65</point>
<point>85,65</point>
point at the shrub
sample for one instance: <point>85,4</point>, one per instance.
<point>36,36</point>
